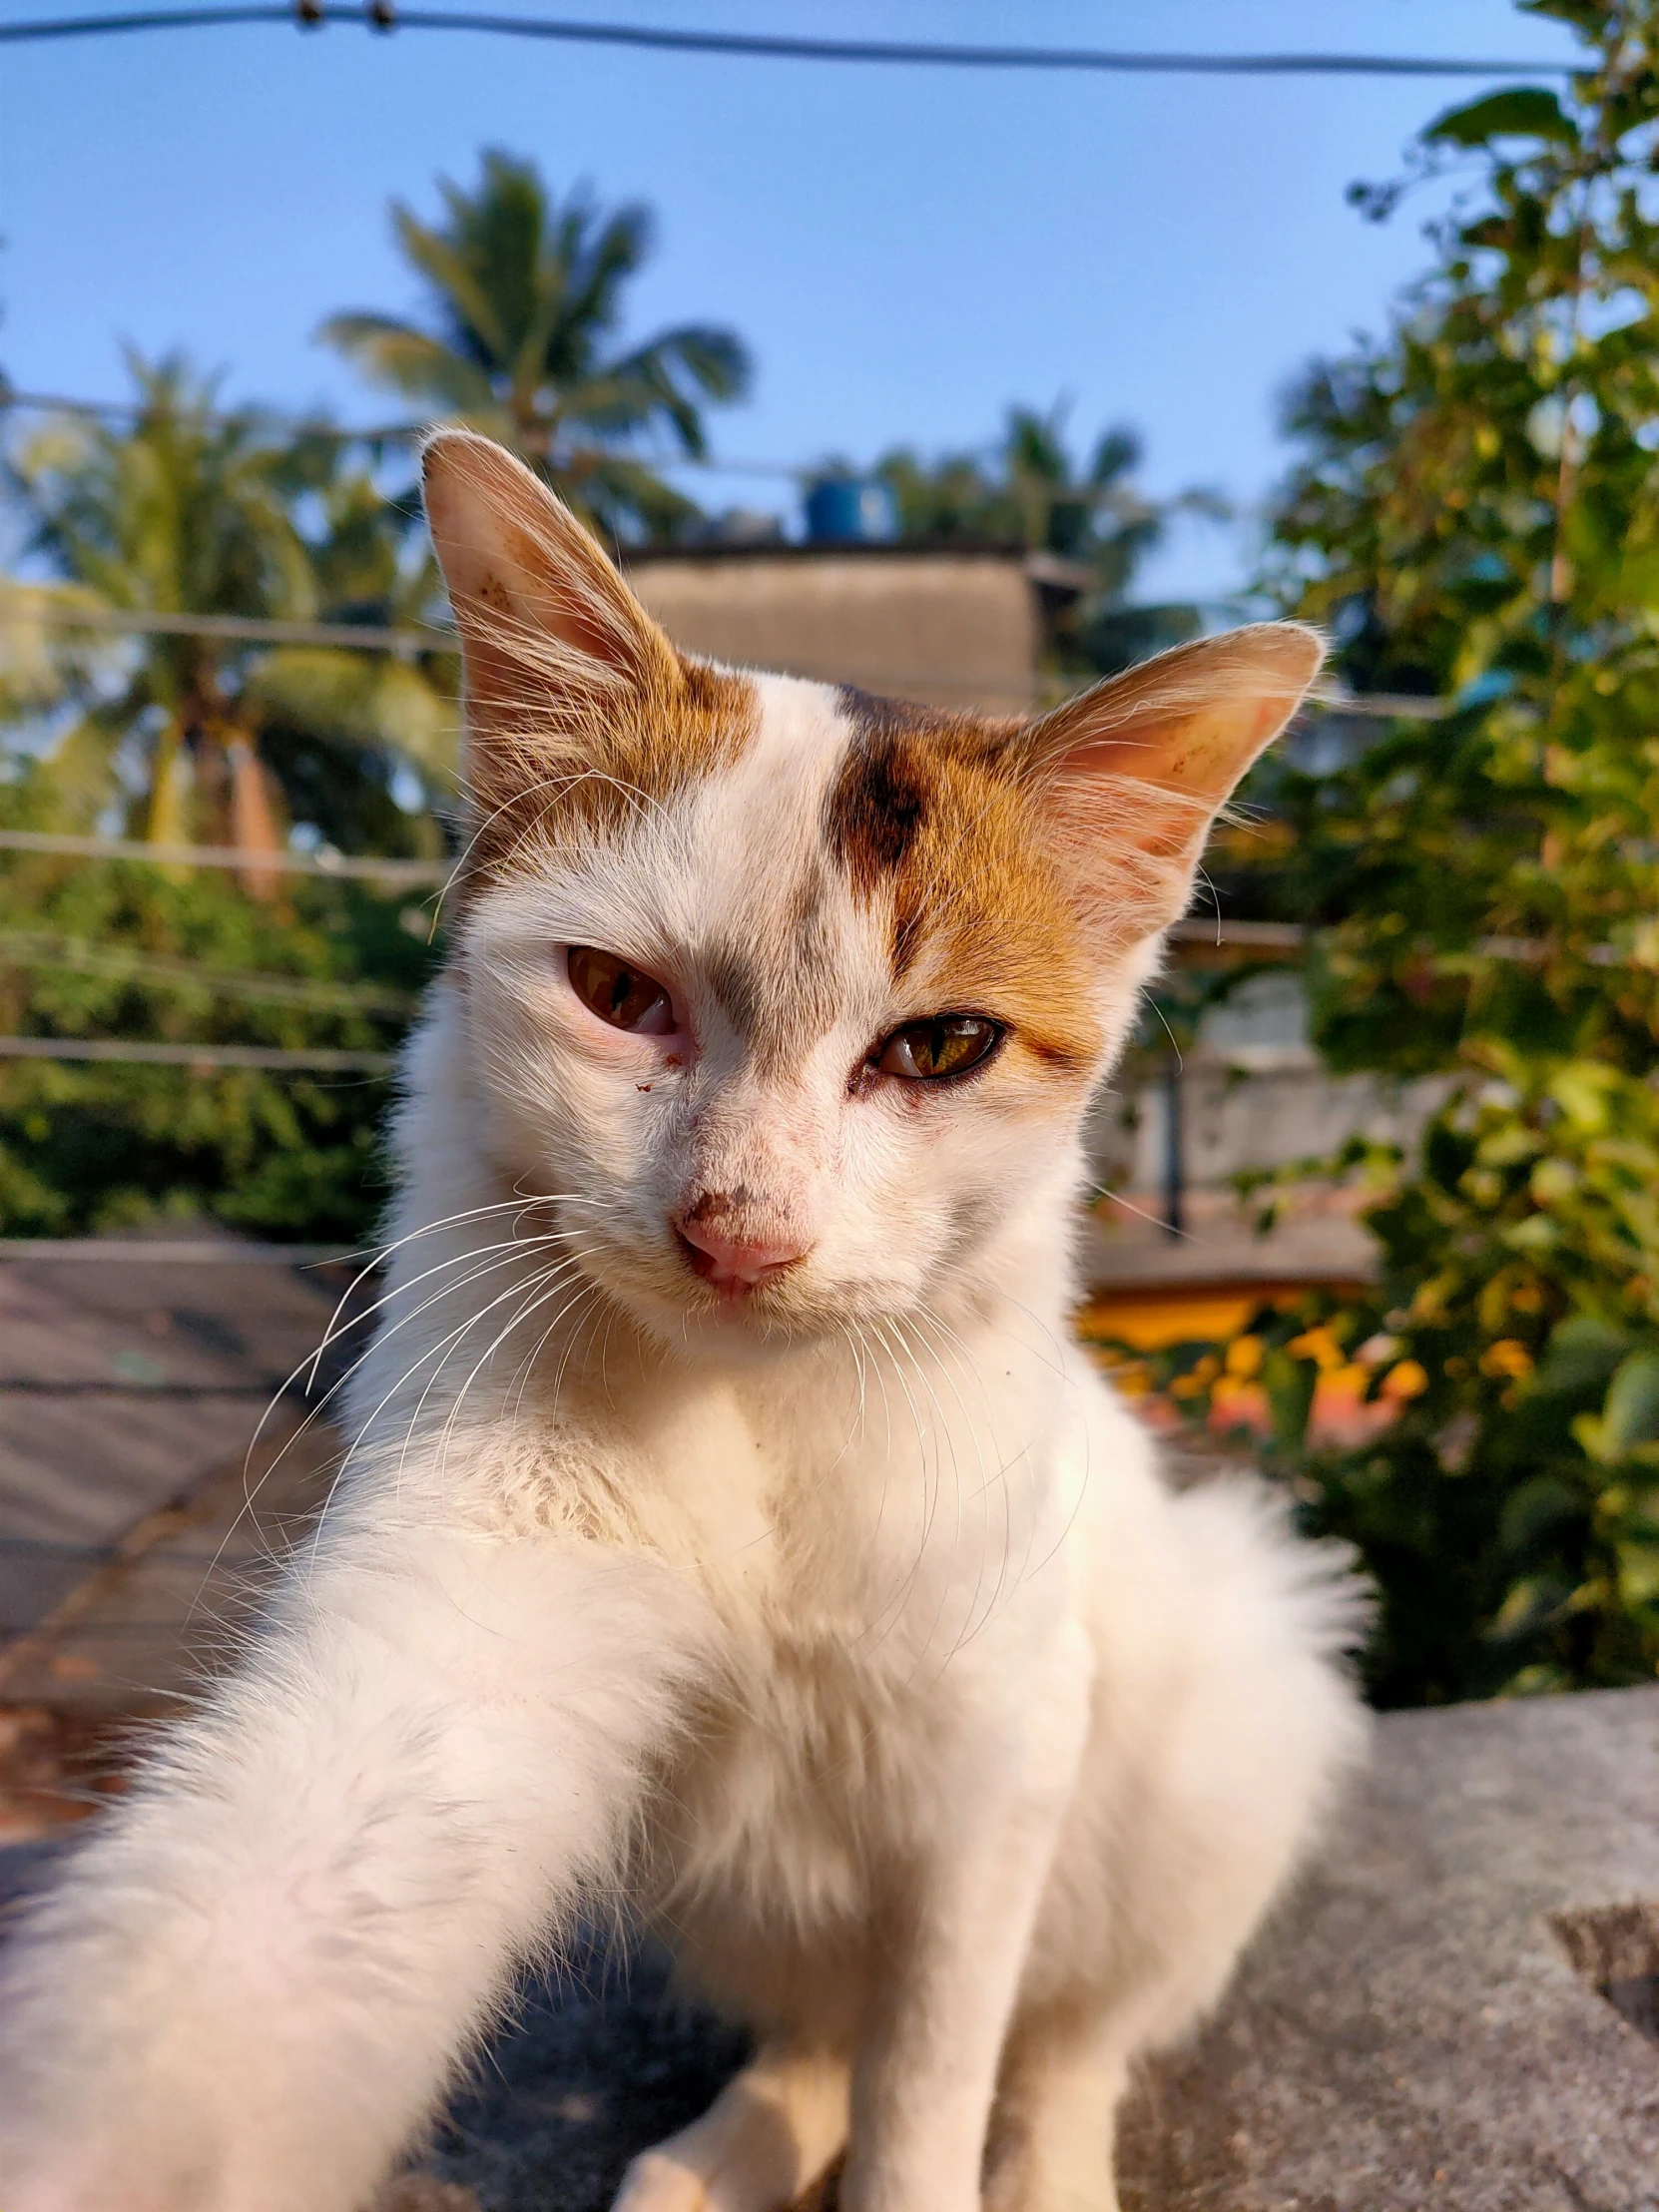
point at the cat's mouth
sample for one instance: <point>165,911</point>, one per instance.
<point>733,1283</point>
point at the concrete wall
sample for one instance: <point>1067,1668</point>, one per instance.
<point>947,629</point>
<point>1254,1095</point>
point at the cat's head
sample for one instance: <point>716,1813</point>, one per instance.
<point>794,998</point>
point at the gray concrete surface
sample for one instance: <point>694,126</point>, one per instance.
<point>1422,2027</point>
<point>123,1386</point>
<point>1420,2030</point>
<point>1454,2013</point>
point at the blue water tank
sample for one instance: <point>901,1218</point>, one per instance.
<point>850,510</point>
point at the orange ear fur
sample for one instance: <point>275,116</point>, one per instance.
<point>573,696</point>
<point>1131,776</point>
<point>549,630</point>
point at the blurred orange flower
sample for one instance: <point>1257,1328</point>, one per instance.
<point>1508,1356</point>
<point>1320,1345</point>
<point>1403,1382</point>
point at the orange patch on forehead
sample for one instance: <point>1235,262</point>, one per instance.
<point>540,772</point>
<point>930,817</point>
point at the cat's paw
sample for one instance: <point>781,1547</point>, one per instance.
<point>656,2181</point>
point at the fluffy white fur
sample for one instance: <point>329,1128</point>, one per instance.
<point>865,1654</point>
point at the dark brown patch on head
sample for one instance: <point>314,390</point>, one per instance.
<point>931,818</point>
<point>877,802</point>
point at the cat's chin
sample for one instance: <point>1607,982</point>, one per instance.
<point>688,1321</point>
<point>749,1330</point>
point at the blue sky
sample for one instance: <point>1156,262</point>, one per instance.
<point>906,251</point>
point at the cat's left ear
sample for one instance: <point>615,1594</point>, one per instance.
<point>548,626</point>
<point>1131,776</point>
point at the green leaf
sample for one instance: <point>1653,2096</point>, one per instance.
<point>1524,111</point>
<point>1289,1387</point>
<point>1536,1510</point>
<point>1631,1413</point>
<point>1528,1604</point>
<point>1638,1566</point>
<point>1582,1353</point>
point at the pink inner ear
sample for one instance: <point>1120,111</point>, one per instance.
<point>510,551</point>
<point>1200,753</point>
<point>544,590</point>
<point>1132,775</point>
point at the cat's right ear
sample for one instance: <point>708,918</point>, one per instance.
<point>550,633</point>
<point>1131,774</point>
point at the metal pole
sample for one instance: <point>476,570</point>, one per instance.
<point>1175,1167</point>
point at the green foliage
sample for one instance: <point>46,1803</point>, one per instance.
<point>114,951</point>
<point>184,510</point>
<point>1485,1429</point>
<point>1511,1513</point>
<point>1524,111</point>
<point>525,293</point>
<point>1477,518</point>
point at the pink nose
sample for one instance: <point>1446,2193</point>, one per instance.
<point>728,1263</point>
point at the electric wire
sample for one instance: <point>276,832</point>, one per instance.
<point>384,16</point>
<point>270,1058</point>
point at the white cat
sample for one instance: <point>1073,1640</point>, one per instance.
<point>731,1532</point>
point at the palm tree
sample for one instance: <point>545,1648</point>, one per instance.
<point>524,295</point>
<point>186,512</point>
<point>346,730</point>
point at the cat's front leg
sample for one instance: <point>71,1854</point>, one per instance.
<point>249,1991</point>
<point>956,1929</point>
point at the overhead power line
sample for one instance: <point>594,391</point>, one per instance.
<point>177,1251</point>
<point>384,15</point>
<point>367,637</point>
<point>129,411</point>
<point>270,1057</point>
<point>376,638</point>
<point>45,950</point>
<point>375,433</point>
<point>400,874</point>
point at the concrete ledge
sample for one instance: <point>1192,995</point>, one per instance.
<point>1454,2014</point>
<point>1422,2027</point>
<point>1420,2032</point>
<point>1331,1252</point>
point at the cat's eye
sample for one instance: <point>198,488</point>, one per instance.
<point>620,993</point>
<point>948,1044</point>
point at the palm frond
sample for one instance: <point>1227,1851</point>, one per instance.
<point>525,291</point>
<point>364,701</point>
<point>405,360</point>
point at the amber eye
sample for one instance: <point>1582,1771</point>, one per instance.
<point>950,1044</point>
<point>621,994</point>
